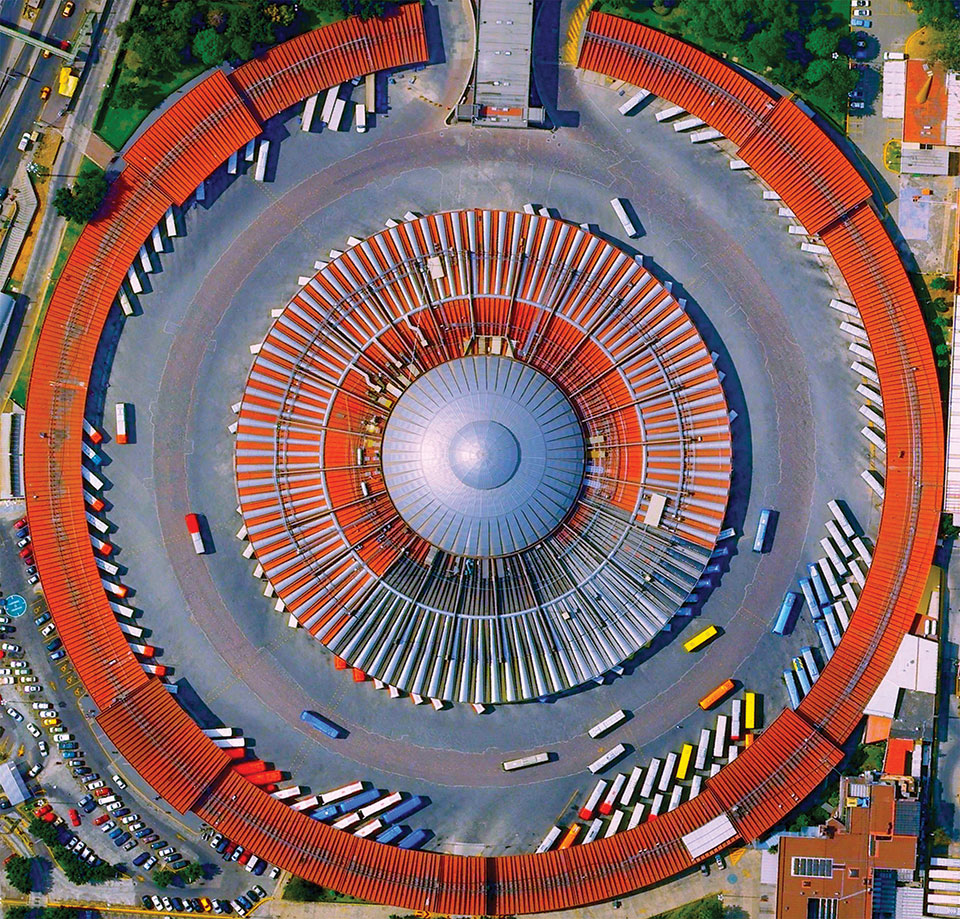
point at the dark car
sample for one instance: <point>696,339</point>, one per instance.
<point>121,839</point>
<point>146,831</point>
<point>138,861</point>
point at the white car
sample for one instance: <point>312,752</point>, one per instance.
<point>34,770</point>
<point>131,818</point>
<point>19,665</point>
<point>11,647</point>
<point>42,705</point>
<point>44,749</point>
<point>99,783</point>
<point>24,142</point>
<point>14,714</point>
<point>118,781</point>
<point>31,688</point>
<point>7,680</point>
<point>33,729</point>
<point>61,737</point>
<point>48,629</point>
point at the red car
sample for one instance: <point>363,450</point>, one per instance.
<point>49,818</point>
<point>22,522</point>
<point>42,811</point>
<point>103,818</point>
<point>74,816</point>
<point>26,552</point>
<point>101,792</point>
<point>243,858</point>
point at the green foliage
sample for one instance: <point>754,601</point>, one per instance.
<point>75,868</point>
<point>19,873</point>
<point>796,44</point>
<point>59,912</point>
<point>935,13</point>
<point>303,891</point>
<point>940,838</point>
<point>365,9</point>
<point>707,908</point>
<point>191,872</point>
<point>19,912</point>
<point>940,282</point>
<point>80,202</point>
<point>210,46</point>
<point>948,530</point>
<point>163,877</point>
<point>868,757</point>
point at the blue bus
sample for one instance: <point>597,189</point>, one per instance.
<point>784,623</point>
<point>761,536</point>
<point>403,810</point>
<point>323,725</point>
<point>416,839</point>
<point>391,834</point>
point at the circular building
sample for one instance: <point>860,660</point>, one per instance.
<point>483,456</point>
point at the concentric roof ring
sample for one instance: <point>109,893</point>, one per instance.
<point>483,456</point>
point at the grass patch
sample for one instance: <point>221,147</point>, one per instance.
<point>706,908</point>
<point>71,233</point>
<point>891,156</point>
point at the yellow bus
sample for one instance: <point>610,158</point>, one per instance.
<point>701,638</point>
<point>685,754</point>
<point>750,711</point>
<point>568,838</point>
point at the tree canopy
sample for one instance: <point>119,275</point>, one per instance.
<point>80,202</point>
<point>20,873</point>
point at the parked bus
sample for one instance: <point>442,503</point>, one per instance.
<point>683,767</point>
<point>91,432</point>
<point>623,217</point>
<point>631,788</point>
<point>547,844</point>
<point>339,107</point>
<point>593,832</point>
<point>193,528</point>
<point>391,834</point>
<point>329,101</point>
<point>610,798</point>
<point>535,759</point>
<point>750,711</point>
<point>791,684</point>
<point>416,839</point>
<point>338,794</point>
<point>121,413</point>
<point>402,811</point>
<point>736,720</point>
<point>611,756</point>
<point>760,539</point>
<point>323,725</point>
<point>360,117</point>
<point>717,695</point>
<point>586,812</point>
<point>784,622</point>
<point>608,724</point>
<point>701,638</point>
<point>570,836</point>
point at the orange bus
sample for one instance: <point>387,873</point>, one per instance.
<point>570,836</point>
<point>717,695</point>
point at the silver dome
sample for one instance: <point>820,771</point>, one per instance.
<point>483,456</point>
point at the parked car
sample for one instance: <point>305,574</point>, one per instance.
<point>68,9</point>
<point>118,781</point>
<point>149,863</point>
<point>14,714</point>
<point>138,861</point>
<point>33,729</point>
<point>861,23</point>
<point>41,619</point>
<point>74,816</point>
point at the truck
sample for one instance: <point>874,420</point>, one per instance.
<point>323,725</point>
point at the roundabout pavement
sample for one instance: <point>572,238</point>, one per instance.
<point>757,302</point>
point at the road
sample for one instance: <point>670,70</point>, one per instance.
<point>27,73</point>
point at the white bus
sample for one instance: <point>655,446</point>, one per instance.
<point>625,221</point>
<point>121,413</point>
<point>535,759</point>
<point>608,724</point>
<point>360,117</point>
<point>549,840</point>
<point>339,107</point>
<point>611,756</point>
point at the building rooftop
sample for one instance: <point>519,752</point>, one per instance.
<point>925,104</point>
<point>835,875</point>
<point>13,784</point>
<point>502,82</point>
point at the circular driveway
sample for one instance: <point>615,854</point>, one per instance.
<point>758,305</point>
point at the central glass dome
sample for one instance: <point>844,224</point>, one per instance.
<point>483,456</point>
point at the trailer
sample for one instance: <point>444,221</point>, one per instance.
<point>322,724</point>
<point>263,154</point>
<point>620,210</point>
<point>360,117</point>
<point>121,416</point>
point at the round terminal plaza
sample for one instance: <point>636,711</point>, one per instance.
<point>472,471</point>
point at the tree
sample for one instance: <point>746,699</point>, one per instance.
<point>766,48</point>
<point>191,872</point>
<point>279,13</point>
<point>940,838</point>
<point>302,891</point>
<point>19,912</point>
<point>59,912</point>
<point>823,42</point>
<point>19,871</point>
<point>365,9</point>
<point>832,77</point>
<point>163,877</point>
<point>210,46</point>
<point>80,202</point>
<point>727,21</point>
<point>127,94</point>
<point>940,282</point>
<point>946,45</point>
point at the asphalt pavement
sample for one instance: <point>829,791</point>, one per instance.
<point>759,303</point>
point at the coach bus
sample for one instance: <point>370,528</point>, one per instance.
<point>611,756</point>
<point>717,695</point>
<point>121,412</point>
<point>570,836</point>
<point>608,724</point>
<point>701,638</point>
<point>750,711</point>
<point>549,840</point>
<point>323,725</point>
<point>760,539</point>
<point>624,218</point>
<point>193,528</point>
<point>535,759</point>
<point>784,622</point>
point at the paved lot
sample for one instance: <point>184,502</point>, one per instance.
<point>759,303</point>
